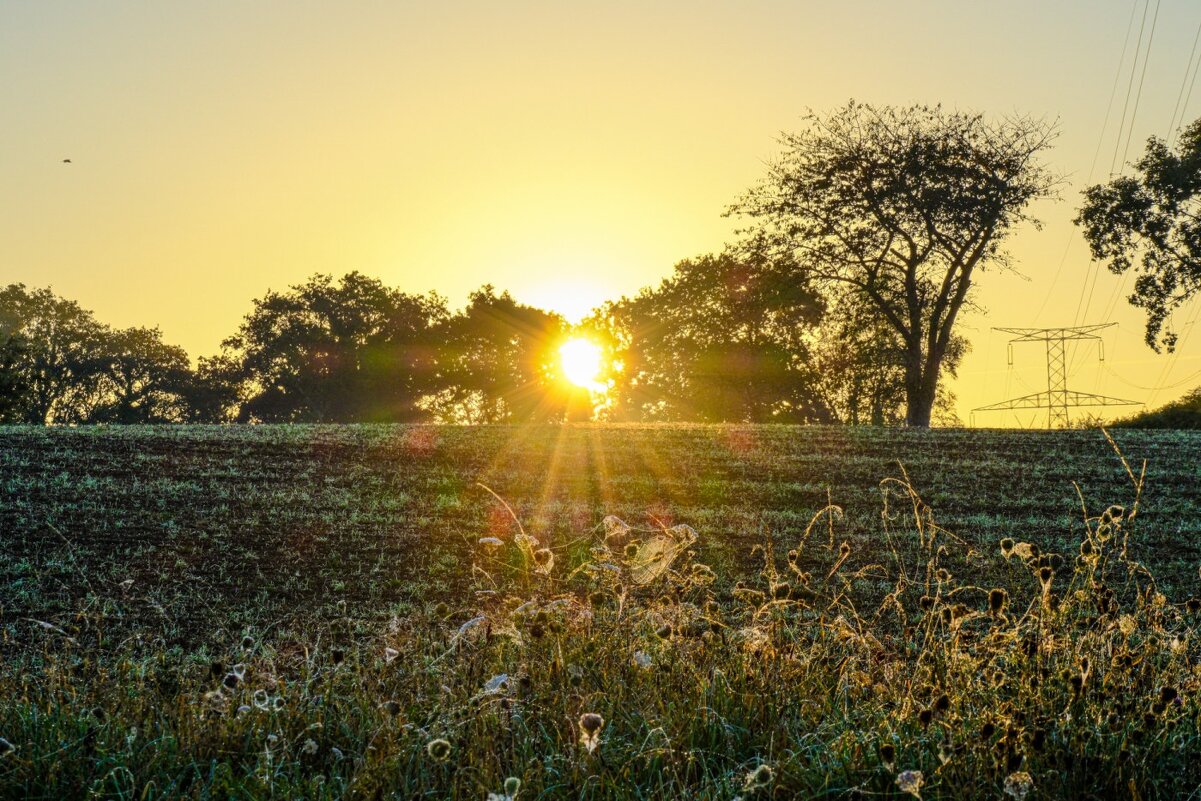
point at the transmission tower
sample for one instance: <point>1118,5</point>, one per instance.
<point>1058,398</point>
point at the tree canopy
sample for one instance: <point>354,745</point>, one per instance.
<point>900,207</point>
<point>1155,214</point>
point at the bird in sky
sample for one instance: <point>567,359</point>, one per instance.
<point>66,161</point>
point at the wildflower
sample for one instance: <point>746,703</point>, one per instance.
<point>439,750</point>
<point>309,748</point>
<point>759,777</point>
<point>1019,785</point>
<point>590,729</point>
<point>910,781</point>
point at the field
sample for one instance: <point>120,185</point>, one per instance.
<point>310,612</point>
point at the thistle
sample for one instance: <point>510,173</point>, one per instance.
<point>590,728</point>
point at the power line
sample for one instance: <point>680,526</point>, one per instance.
<point>1122,125</point>
<point>1142,77</point>
<point>1188,67</point>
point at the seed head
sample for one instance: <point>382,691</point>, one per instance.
<point>663,632</point>
<point>391,707</point>
<point>631,550</point>
<point>512,786</point>
<point>1018,785</point>
<point>997,599</point>
<point>231,680</point>
<point>439,750</point>
<point>337,656</point>
<point>544,559</point>
<point>910,781</point>
<point>925,716</point>
<point>590,728</point>
<point>926,602</point>
<point>780,590</point>
<point>844,550</point>
<point>1086,548</point>
<point>759,777</point>
<point>1007,544</point>
<point>247,643</point>
<point>942,703</point>
<point>216,670</point>
<point>888,754</point>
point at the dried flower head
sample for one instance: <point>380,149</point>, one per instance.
<point>759,777</point>
<point>337,656</point>
<point>247,643</point>
<point>309,748</point>
<point>590,728</point>
<point>261,700</point>
<point>544,560</point>
<point>997,600</point>
<point>888,754</point>
<point>910,781</point>
<point>490,544</point>
<point>1007,544</point>
<point>439,750</point>
<point>390,654</point>
<point>1019,785</point>
<point>391,707</point>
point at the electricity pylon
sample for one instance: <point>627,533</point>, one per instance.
<point>1058,398</point>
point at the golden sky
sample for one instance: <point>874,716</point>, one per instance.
<point>567,151</point>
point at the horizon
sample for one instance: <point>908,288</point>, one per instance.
<point>566,155</point>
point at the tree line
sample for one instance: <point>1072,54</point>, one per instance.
<point>838,302</point>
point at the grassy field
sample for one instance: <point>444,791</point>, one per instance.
<point>311,612</point>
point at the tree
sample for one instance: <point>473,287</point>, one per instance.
<point>336,352</point>
<point>902,206</point>
<point>1157,213</point>
<point>721,339</point>
<point>15,383</point>
<point>499,363</point>
<point>61,354</point>
<point>143,379</point>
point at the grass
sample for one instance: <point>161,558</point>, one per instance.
<point>319,613</point>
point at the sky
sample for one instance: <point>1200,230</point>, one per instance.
<point>569,152</point>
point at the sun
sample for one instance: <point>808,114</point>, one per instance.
<point>581,361</point>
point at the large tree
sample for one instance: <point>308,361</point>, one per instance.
<point>60,362</point>
<point>722,339</point>
<point>901,206</point>
<point>498,362</point>
<point>347,351</point>
<point>1155,213</point>
<point>143,379</point>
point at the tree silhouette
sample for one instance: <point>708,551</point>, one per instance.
<point>143,379</point>
<point>499,363</point>
<point>60,358</point>
<point>902,206</point>
<point>349,351</point>
<point>721,339</point>
<point>1156,213</point>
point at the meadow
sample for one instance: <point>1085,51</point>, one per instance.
<point>598,611</point>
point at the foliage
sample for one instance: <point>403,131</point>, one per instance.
<point>142,379</point>
<point>720,340</point>
<point>618,661</point>
<point>1157,213</point>
<point>499,363</point>
<point>326,352</point>
<point>1184,414</point>
<point>900,207</point>
<point>58,364</point>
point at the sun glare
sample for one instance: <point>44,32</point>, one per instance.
<point>581,360</point>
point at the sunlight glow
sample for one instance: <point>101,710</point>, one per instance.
<point>581,361</point>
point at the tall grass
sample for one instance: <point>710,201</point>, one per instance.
<point>619,666</point>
